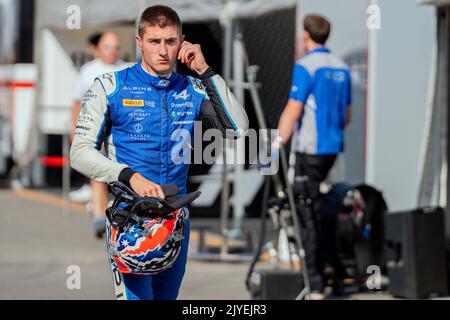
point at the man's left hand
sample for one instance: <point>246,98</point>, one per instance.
<point>191,55</point>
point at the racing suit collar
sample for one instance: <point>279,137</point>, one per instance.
<point>155,81</point>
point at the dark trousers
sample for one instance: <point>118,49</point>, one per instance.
<point>310,171</point>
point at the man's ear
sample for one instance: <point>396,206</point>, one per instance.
<point>138,41</point>
<point>306,35</point>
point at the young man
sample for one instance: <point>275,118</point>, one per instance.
<point>106,53</point>
<point>319,109</point>
<point>137,112</point>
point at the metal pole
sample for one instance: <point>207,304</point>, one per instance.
<point>238,191</point>
<point>301,252</point>
<point>225,205</point>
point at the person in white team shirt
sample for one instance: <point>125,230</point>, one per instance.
<point>106,55</point>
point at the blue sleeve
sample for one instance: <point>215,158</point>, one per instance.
<point>348,90</point>
<point>301,84</point>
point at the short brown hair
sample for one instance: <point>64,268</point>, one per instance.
<point>318,28</point>
<point>158,15</point>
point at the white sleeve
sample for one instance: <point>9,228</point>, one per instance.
<point>92,129</point>
<point>221,109</point>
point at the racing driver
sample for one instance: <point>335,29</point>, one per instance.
<point>136,113</point>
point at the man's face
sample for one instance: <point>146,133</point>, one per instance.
<point>160,48</point>
<point>108,48</point>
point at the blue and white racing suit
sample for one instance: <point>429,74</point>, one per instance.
<point>142,120</point>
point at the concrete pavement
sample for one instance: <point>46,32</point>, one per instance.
<point>39,241</point>
<point>41,238</point>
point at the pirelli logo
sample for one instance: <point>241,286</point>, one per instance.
<point>133,103</point>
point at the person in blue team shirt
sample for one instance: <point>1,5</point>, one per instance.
<point>318,109</point>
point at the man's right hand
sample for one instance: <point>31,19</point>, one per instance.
<point>145,187</point>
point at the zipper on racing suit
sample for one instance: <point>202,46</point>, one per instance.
<point>165,141</point>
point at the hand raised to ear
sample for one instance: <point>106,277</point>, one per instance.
<point>192,55</point>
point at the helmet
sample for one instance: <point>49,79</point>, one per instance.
<point>145,234</point>
<point>149,245</point>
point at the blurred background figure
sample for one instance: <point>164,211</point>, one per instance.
<point>93,40</point>
<point>318,110</point>
<point>105,50</point>
<point>83,194</point>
